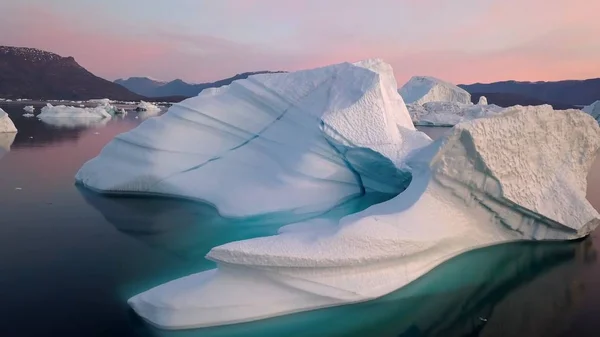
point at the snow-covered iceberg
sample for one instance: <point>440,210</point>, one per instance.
<point>298,142</point>
<point>424,89</point>
<point>517,176</point>
<point>482,100</point>
<point>449,113</point>
<point>594,110</point>
<point>6,124</point>
<point>29,109</point>
<point>73,117</point>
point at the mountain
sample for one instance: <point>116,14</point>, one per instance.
<point>510,99</point>
<point>37,74</point>
<point>140,85</point>
<point>570,92</point>
<point>152,88</point>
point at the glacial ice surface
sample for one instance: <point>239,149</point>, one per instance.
<point>6,124</point>
<point>423,89</point>
<point>520,175</point>
<point>298,142</point>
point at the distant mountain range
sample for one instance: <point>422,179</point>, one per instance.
<point>41,75</point>
<point>152,88</point>
<point>570,92</point>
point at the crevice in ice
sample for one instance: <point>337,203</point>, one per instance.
<point>265,128</point>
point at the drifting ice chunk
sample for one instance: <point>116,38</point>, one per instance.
<point>69,116</point>
<point>476,187</point>
<point>300,142</point>
<point>28,115</point>
<point>146,106</point>
<point>594,110</point>
<point>449,113</point>
<point>421,89</point>
<point>6,140</point>
<point>482,100</point>
<point>29,108</point>
<point>6,124</point>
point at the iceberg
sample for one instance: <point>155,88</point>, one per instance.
<point>494,180</point>
<point>423,89</point>
<point>449,113</point>
<point>593,109</point>
<point>6,124</point>
<point>74,117</point>
<point>6,140</point>
<point>147,106</point>
<point>482,101</point>
<point>29,109</point>
<point>299,142</point>
<point>28,115</point>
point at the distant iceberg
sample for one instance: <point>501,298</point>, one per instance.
<point>298,142</point>
<point>433,102</point>
<point>29,109</point>
<point>594,110</point>
<point>474,188</point>
<point>147,106</point>
<point>423,89</point>
<point>449,113</point>
<point>6,124</point>
<point>73,117</point>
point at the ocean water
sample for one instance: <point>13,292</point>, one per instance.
<point>70,258</point>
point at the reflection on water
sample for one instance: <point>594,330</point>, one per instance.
<point>497,291</point>
<point>75,122</point>
<point>71,258</point>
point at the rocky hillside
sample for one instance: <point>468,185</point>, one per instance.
<point>37,74</point>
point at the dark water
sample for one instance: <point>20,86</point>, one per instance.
<point>69,259</point>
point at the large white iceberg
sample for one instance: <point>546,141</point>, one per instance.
<point>449,113</point>
<point>517,176</point>
<point>6,124</point>
<point>298,142</point>
<point>147,106</point>
<point>424,89</point>
<point>594,110</point>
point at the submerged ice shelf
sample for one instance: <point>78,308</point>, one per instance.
<point>299,142</point>
<point>303,142</point>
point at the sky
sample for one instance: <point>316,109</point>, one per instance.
<point>461,41</point>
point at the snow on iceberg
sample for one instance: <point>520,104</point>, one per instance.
<point>73,117</point>
<point>298,142</point>
<point>594,110</point>
<point>482,101</point>
<point>424,89</point>
<point>29,109</point>
<point>476,187</point>
<point>449,113</point>
<point>6,124</point>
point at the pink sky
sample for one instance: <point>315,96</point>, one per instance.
<point>462,41</point>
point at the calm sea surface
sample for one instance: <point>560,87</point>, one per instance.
<point>69,259</point>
